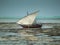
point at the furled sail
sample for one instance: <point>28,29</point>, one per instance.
<point>28,20</point>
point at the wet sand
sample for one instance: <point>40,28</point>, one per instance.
<point>12,34</point>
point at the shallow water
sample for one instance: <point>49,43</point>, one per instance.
<point>42,39</point>
<point>25,37</point>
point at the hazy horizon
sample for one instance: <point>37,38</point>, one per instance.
<point>19,8</point>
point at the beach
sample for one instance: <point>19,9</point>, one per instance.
<point>12,34</point>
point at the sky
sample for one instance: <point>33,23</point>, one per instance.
<point>19,8</point>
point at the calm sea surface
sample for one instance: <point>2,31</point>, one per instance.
<point>38,21</point>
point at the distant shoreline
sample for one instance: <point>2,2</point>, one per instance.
<point>37,20</point>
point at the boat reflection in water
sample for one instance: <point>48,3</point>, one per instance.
<point>28,37</point>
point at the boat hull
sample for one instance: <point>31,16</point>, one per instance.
<point>32,26</point>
